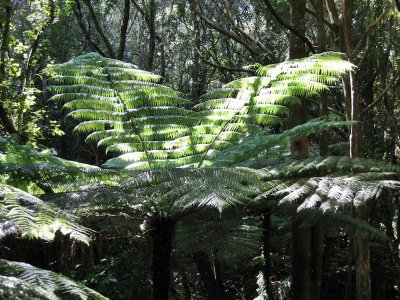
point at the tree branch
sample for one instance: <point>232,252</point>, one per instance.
<point>380,96</point>
<point>79,17</point>
<point>221,67</point>
<point>368,31</point>
<point>288,27</point>
<point>224,31</point>
<point>99,29</point>
<point>326,22</point>
<point>124,29</point>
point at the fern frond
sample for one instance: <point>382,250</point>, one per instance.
<point>125,110</point>
<point>23,213</point>
<point>254,144</point>
<point>44,282</point>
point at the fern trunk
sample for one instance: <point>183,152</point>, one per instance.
<point>301,260</point>
<point>212,281</point>
<point>362,260</point>
<point>266,250</point>
<point>163,232</point>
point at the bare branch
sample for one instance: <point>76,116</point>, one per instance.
<point>395,79</point>
<point>288,27</point>
<point>99,29</point>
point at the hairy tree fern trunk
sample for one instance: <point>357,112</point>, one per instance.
<point>266,251</point>
<point>212,282</point>
<point>301,260</point>
<point>163,232</point>
<point>317,246</point>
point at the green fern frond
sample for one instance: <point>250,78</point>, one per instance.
<point>256,143</point>
<point>44,282</point>
<point>219,93</point>
<point>139,117</point>
<point>23,213</point>
<point>17,289</point>
<point>175,192</point>
<point>329,64</point>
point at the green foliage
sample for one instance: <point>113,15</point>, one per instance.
<point>41,284</point>
<point>23,213</point>
<point>152,126</point>
<point>254,145</point>
<point>329,184</point>
<point>174,193</point>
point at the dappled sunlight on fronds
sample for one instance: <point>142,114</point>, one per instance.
<point>29,216</point>
<point>152,126</point>
<point>330,183</point>
<point>46,284</point>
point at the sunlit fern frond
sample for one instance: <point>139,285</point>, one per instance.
<point>152,126</point>
<point>24,279</point>
<point>327,65</point>
<point>124,109</point>
<point>255,144</point>
<point>263,101</point>
<point>23,213</point>
<point>37,172</point>
<point>330,183</point>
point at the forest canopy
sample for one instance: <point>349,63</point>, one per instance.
<point>199,149</point>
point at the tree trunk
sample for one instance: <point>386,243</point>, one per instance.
<point>301,232</point>
<point>124,29</point>
<point>362,259</point>
<point>301,260</point>
<point>212,281</point>
<point>152,34</point>
<point>266,252</point>
<point>163,232</point>
<point>5,41</point>
<point>317,247</point>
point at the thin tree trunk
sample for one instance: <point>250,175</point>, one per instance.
<point>124,29</point>
<point>301,232</point>
<point>362,259</point>
<point>324,139</point>
<point>162,235</point>
<point>5,41</point>
<point>152,34</point>
<point>317,247</point>
<point>361,242</point>
<point>196,87</point>
<point>77,9</point>
<point>99,29</point>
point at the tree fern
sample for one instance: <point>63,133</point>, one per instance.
<point>174,193</point>
<point>153,126</point>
